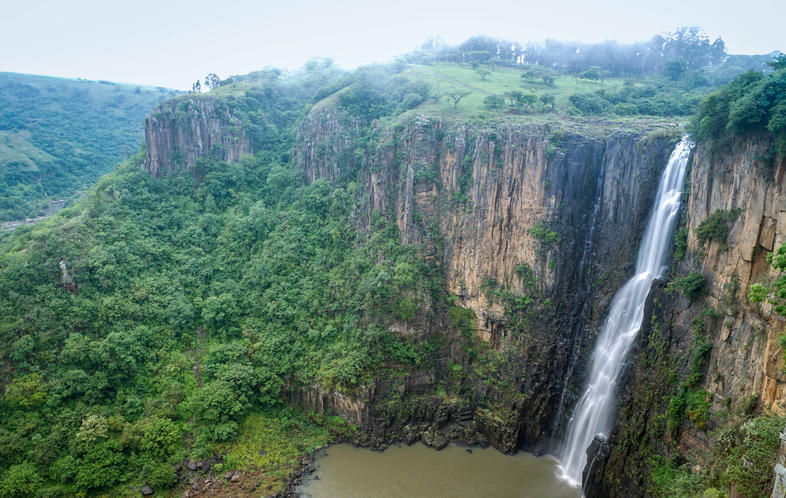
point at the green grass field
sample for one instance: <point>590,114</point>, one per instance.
<point>446,78</point>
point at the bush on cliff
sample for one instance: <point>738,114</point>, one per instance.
<point>717,226</point>
<point>692,285</point>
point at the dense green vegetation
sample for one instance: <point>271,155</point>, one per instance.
<point>194,303</point>
<point>753,102</point>
<point>187,304</point>
<point>742,455</point>
<point>59,135</point>
<point>744,443</point>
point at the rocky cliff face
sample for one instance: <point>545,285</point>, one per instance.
<point>744,367</point>
<point>551,216</point>
<point>180,131</point>
<point>746,357</point>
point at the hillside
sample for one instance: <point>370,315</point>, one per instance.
<point>59,135</point>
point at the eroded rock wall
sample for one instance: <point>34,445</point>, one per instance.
<point>181,131</point>
<point>473,198</point>
<point>746,358</point>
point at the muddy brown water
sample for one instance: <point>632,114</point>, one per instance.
<point>418,471</point>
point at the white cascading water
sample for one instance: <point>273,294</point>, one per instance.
<point>593,412</point>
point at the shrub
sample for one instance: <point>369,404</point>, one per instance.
<point>625,109</point>
<point>21,480</point>
<point>680,244</point>
<point>716,227</point>
<point>163,477</point>
<point>545,235</point>
<point>757,293</point>
<point>692,285</point>
<point>747,451</point>
<point>589,103</point>
<point>494,102</point>
<point>412,100</point>
<point>697,407</point>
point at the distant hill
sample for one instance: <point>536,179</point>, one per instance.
<point>58,135</point>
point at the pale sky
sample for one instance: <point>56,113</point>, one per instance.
<point>172,44</point>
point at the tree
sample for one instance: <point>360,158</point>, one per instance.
<point>219,312</point>
<point>21,480</point>
<point>548,100</point>
<point>520,99</point>
<point>456,97</point>
<point>494,102</point>
<point>196,87</point>
<point>593,73</point>
<point>26,392</point>
<point>538,74</point>
<point>483,73</point>
<point>779,62</point>
<point>674,68</point>
<point>212,81</point>
<point>101,466</point>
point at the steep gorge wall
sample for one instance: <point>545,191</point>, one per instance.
<point>470,197</point>
<point>746,356</point>
<point>745,368</point>
<point>181,131</point>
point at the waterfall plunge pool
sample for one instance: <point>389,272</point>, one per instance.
<point>418,471</point>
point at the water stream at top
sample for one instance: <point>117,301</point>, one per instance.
<point>593,412</point>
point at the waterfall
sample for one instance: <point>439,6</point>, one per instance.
<point>593,412</point>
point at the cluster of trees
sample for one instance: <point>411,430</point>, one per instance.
<point>539,74</point>
<point>633,99</point>
<point>211,82</point>
<point>59,135</point>
<point>753,102</point>
<point>518,101</point>
<point>688,47</point>
<point>376,91</point>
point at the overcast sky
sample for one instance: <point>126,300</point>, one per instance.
<point>172,44</point>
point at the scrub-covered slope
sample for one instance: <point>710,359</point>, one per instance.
<point>59,135</point>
